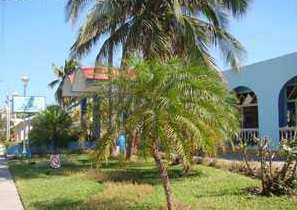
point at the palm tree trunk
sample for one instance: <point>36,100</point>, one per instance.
<point>55,143</point>
<point>96,117</point>
<point>132,145</point>
<point>83,117</point>
<point>110,63</point>
<point>110,106</point>
<point>164,176</point>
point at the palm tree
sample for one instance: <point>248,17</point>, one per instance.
<point>159,28</point>
<point>96,117</point>
<point>177,108</point>
<point>62,72</point>
<point>51,126</point>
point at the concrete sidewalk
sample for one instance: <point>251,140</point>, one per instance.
<point>9,198</point>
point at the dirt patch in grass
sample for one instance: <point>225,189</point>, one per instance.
<point>120,195</point>
<point>127,195</point>
<point>125,189</point>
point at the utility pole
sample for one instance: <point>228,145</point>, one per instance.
<point>25,81</point>
<point>7,118</point>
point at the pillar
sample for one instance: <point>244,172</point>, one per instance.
<point>269,117</point>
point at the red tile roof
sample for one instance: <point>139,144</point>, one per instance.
<point>101,73</point>
<point>98,73</point>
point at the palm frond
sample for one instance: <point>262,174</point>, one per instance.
<point>54,83</point>
<point>238,7</point>
<point>74,8</point>
<point>162,29</point>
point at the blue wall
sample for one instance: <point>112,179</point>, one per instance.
<point>267,80</point>
<point>282,107</point>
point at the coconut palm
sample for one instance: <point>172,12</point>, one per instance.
<point>159,28</point>
<point>62,72</point>
<point>176,108</point>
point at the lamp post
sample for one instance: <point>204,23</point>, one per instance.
<point>7,101</point>
<point>12,115</point>
<point>25,80</point>
<point>9,113</point>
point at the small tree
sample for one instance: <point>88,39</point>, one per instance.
<point>52,127</point>
<point>176,108</point>
<point>2,130</point>
<point>277,181</point>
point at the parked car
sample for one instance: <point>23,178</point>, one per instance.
<point>2,150</point>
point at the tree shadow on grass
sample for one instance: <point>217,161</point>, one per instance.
<point>220,193</point>
<point>143,175</point>
<point>226,192</point>
<point>57,204</point>
<point>120,203</point>
<point>97,204</point>
<point>116,171</point>
<point>25,170</point>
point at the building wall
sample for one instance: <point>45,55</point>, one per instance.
<point>266,79</point>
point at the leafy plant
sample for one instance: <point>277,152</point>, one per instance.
<point>277,178</point>
<point>281,181</point>
<point>51,127</point>
<point>176,108</point>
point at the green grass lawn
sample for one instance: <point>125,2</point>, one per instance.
<point>134,186</point>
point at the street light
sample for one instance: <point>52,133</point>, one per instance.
<point>25,80</point>
<point>7,107</point>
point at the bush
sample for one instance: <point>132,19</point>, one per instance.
<point>51,127</point>
<point>276,179</point>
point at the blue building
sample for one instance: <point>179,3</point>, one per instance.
<point>267,93</point>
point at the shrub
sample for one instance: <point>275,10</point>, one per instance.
<point>276,179</point>
<point>51,127</point>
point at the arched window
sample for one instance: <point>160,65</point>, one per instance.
<point>288,109</point>
<point>248,107</point>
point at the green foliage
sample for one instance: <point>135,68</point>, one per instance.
<point>159,28</point>
<point>283,180</point>
<point>180,106</point>
<point>51,127</point>
<point>2,129</point>
<point>62,72</point>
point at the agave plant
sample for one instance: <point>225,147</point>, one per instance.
<point>176,108</point>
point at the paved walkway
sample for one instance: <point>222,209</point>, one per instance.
<point>9,198</point>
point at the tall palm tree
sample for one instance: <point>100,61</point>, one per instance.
<point>176,108</point>
<point>159,28</point>
<point>62,72</point>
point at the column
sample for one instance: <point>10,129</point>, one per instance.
<point>269,117</point>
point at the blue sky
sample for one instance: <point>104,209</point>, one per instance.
<point>34,34</point>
